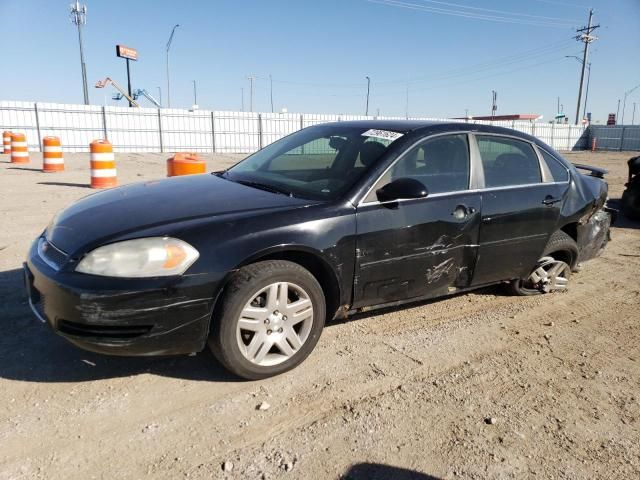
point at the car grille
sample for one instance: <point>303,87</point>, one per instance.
<point>51,255</point>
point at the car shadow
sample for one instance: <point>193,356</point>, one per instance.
<point>379,471</point>
<point>66,184</point>
<point>622,221</point>
<point>31,352</point>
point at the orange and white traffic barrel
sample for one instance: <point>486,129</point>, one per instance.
<point>52,159</point>
<point>6,141</point>
<point>103,165</point>
<point>185,164</point>
<point>19,148</point>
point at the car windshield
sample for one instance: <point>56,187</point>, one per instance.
<point>319,163</point>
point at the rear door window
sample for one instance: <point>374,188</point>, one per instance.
<point>507,161</point>
<point>558,171</point>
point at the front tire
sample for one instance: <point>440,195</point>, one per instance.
<point>270,318</point>
<point>553,270</point>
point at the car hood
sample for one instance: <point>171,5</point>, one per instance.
<point>111,213</point>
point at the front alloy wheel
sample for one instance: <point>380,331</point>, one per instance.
<point>275,324</point>
<point>268,320</point>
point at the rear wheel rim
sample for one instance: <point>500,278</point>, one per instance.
<point>550,275</point>
<point>274,324</point>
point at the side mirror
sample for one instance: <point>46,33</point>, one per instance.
<point>402,188</point>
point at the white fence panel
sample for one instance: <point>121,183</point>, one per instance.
<point>236,132</point>
<point>278,125</point>
<point>132,130</point>
<point>175,130</point>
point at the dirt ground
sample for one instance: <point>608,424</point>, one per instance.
<point>481,385</point>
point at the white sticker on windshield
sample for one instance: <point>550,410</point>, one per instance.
<point>385,134</point>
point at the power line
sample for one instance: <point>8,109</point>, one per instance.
<point>498,62</point>
<point>468,14</point>
<point>398,93</point>
<point>562,4</point>
<point>502,12</point>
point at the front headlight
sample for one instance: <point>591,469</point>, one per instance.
<point>143,257</point>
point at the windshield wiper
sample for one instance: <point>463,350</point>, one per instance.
<point>263,186</point>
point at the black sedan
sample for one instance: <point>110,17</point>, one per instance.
<point>333,219</point>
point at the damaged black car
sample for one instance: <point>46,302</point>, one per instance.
<point>330,220</point>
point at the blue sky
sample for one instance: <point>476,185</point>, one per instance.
<point>319,52</point>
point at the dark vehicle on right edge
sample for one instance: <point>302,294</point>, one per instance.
<point>630,203</point>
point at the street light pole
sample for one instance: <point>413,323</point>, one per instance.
<point>251,78</point>
<point>195,94</point>
<point>633,116</point>
<point>79,18</point>
<point>366,111</point>
<point>271,91</point>
<point>159,95</point>
<point>624,104</point>
<point>168,47</point>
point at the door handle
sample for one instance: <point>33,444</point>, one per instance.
<point>462,211</point>
<point>549,200</point>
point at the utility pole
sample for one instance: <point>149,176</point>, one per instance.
<point>584,35</point>
<point>633,115</point>
<point>168,47</point>
<point>251,78</point>
<point>195,94</point>
<point>406,104</point>
<point>79,18</point>
<point>618,112</point>
<point>494,105</point>
<point>558,107</point>
<point>271,91</point>
<point>366,111</point>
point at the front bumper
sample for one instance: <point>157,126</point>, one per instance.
<point>121,316</point>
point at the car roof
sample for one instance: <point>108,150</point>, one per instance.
<point>406,126</point>
<point>425,126</point>
<point>401,126</point>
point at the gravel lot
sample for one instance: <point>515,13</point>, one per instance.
<point>481,385</point>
